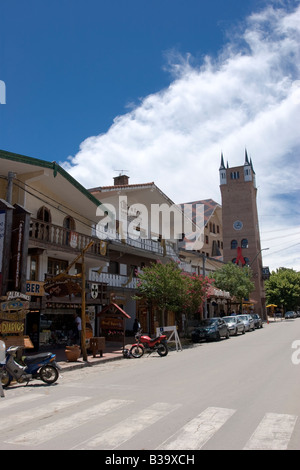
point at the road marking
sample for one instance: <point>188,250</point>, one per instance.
<point>197,432</point>
<point>38,412</point>
<point>16,400</point>
<point>60,426</point>
<point>273,432</point>
<point>125,430</point>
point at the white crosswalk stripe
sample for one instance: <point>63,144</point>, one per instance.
<point>273,432</point>
<point>197,432</point>
<point>48,409</point>
<point>7,403</point>
<point>122,432</point>
<point>62,425</point>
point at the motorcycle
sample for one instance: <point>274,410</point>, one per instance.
<point>25,368</point>
<point>146,344</point>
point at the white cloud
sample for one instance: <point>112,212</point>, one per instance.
<point>248,97</point>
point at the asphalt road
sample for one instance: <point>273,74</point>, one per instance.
<point>240,393</point>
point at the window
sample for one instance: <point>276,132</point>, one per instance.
<point>56,266</point>
<point>234,175</point>
<point>244,243</point>
<point>113,267</point>
<point>234,244</point>
<point>44,214</point>
<point>34,263</point>
<point>69,223</point>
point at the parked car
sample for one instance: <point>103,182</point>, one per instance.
<point>289,314</point>
<point>257,320</point>
<point>211,328</point>
<point>235,325</point>
<point>248,321</point>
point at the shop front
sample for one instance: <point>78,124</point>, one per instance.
<point>50,322</point>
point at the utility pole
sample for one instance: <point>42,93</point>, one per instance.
<point>82,275</point>
<point>83,316</point>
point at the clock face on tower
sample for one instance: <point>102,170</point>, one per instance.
<point>238,225</point>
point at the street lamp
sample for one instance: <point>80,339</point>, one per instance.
<point>263,249</point>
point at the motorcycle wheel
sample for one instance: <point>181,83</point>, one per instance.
<point>162,350</point>
<point>136,351</point>
<point>49,374</point>
<point>5,379</point>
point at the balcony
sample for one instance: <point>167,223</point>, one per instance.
<point>143,244</point>
<point>43,233</point>
<point>115,280</point>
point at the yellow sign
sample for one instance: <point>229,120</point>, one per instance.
<point>35,288</point>
<point>11,327</point>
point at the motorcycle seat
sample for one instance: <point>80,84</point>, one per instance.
<point>158,337</point>
<point>36,358</point>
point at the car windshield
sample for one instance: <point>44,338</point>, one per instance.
<point>207,322</point>
<point>243,317</point>
<point>230,319</point>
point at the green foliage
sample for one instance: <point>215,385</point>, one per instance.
<point>235,280</point>
<point>283,288</point>
<point>171,288</point>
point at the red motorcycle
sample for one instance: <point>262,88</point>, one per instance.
<point>146,344</point>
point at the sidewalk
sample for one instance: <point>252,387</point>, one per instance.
<point>112,352</point>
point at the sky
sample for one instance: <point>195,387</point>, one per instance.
<point>159,89</point>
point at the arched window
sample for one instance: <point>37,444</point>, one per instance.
<point>42,229</point>
<point>244,243</point>
<point>234,244</point>
<point>69,223</point>
<point>44,214</point>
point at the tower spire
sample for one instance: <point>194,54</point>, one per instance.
<point>246,158</point>
<point>222,162</point>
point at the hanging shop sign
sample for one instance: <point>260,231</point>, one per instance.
<point>35,288</point>
<point>62,287</point>
<point>12,316</point>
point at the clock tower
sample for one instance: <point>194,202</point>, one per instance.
<point>241,238</point>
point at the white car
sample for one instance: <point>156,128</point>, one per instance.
<point>248,321</point>
<point>235,325</point>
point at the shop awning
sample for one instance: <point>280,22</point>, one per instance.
<point>114,308</point>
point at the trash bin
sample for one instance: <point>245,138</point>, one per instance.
<point>97,345</point>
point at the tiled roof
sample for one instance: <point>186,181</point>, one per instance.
<point>209,207</point>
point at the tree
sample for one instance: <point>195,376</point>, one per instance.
<point>196,290</point>
<point>163,285</point>
<point>283,288</point>
<point>235,280</point>
<point>171,289</point>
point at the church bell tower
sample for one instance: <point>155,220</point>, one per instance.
<point>241,238</point>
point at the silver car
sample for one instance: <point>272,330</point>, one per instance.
<point>248,322</point>
<point>235,325</point>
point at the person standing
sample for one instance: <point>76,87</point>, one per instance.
<point>78,328</point>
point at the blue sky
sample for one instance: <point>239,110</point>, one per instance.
<point>160,87</point>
